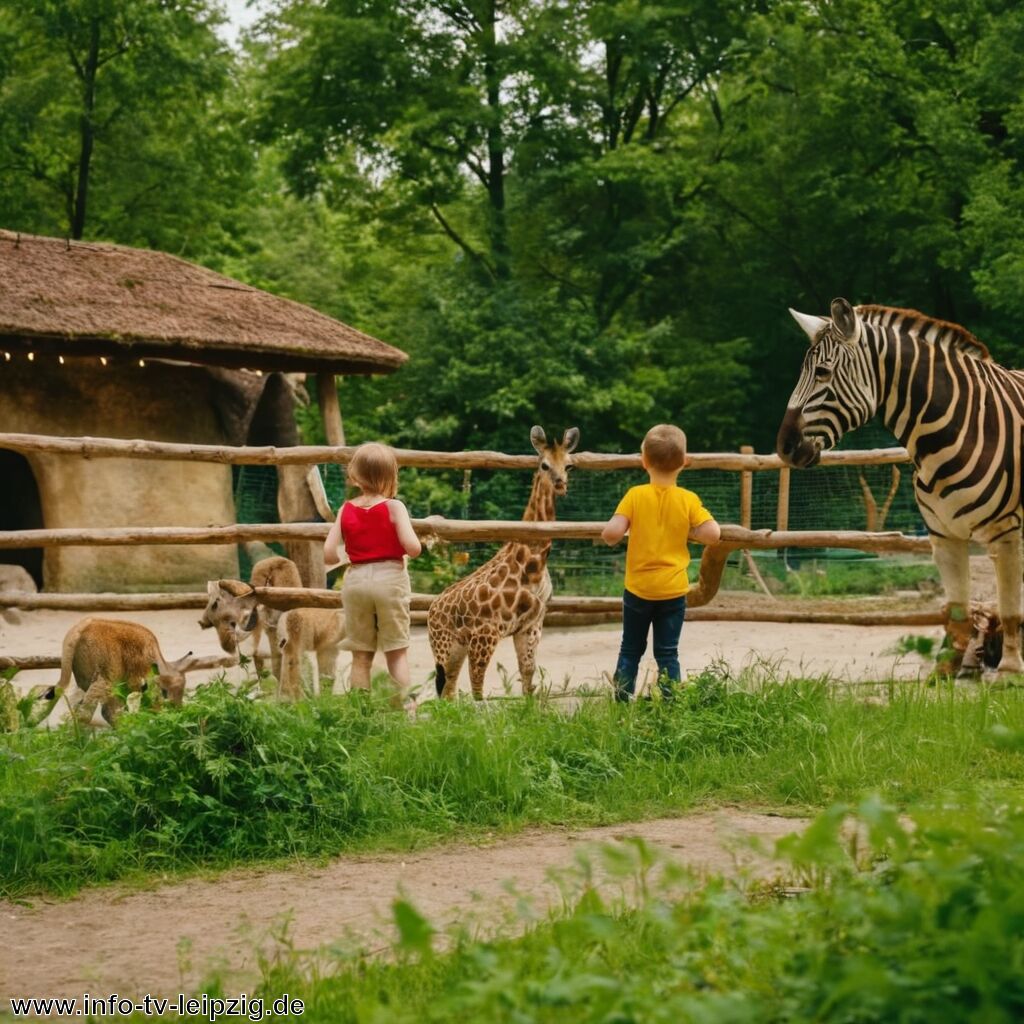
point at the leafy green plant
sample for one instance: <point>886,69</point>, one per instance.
<point>225,779</point>
<point>906,920</point>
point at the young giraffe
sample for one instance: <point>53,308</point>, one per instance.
<point>506,596</point>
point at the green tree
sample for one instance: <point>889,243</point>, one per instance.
<point>111,119</point>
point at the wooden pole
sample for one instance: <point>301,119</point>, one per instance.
<point>782,510</point>
<point>746,491</point>
<point>445,529</point>
<point>29,662</point>
<point>330,409</point>
<point>117,448</point>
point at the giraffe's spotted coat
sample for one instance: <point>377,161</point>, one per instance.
<point>506,596</point>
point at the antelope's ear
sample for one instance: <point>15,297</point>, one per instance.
<point>538,439</point>
<point>212,588</point>
<point>845,320</point>
<point>570,439</point>
<point>811,324</point>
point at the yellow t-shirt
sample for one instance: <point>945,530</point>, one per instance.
<point>660,520</point>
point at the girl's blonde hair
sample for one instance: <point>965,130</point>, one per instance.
<point>374,469</point>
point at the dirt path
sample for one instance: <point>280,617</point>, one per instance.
<point>165,940</point>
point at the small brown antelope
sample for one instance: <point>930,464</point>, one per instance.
<point>231,609</point>
<point>271,572</point>
<point>100,653</point>
<point>303,631</point>
<point>234,610</point>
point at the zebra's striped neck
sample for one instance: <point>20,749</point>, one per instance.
<point>921,370</point>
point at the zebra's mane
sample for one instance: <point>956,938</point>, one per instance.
<point>921,324</point>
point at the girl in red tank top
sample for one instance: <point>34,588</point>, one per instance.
<point>369,532</point>
<point>378,534</point>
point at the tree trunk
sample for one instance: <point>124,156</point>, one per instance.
<point>495,145</point>
<point>87,130</point>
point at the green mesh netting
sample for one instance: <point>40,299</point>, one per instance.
<point>823,498</point>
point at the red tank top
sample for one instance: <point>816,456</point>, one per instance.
<point>369,534</point>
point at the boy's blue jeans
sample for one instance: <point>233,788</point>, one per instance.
<point>639,616</point>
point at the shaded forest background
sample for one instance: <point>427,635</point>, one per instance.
<point>566,211</point>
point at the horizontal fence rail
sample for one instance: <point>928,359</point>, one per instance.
<point>37,661</point>
<point>447,530</point>
<point>285,598</point>
<point>115,448</point>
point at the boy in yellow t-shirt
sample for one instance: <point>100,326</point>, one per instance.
<point>660,518</point>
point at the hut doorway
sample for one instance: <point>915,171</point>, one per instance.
<point>22,510</point>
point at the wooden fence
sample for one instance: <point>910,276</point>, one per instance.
<point>562,609</point>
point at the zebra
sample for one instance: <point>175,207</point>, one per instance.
<point>958,413</point>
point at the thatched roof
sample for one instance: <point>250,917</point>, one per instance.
<point>86,298</point>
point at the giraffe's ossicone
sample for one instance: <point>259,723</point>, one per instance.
<point>506,596</point>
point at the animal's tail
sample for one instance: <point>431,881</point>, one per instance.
<point>439,678</point>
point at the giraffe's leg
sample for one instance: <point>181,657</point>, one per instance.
<point>526,641</point>
<point>481,650</point>
<point>951,559</point>
<point>452,666</point>
<point>1006,554</point>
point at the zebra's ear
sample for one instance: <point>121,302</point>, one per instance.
<point>845,320</point>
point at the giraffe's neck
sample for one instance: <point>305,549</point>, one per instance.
<point>539,509</point>
<point>541,506</point>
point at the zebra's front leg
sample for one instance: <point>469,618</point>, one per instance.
<point>951,558</point>
<point>1006,556</point>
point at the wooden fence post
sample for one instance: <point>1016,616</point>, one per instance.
<point>782,510</point>
<point>746,490</point>
<point>330,409</point>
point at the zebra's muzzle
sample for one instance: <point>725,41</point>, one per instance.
<point>792,444</point>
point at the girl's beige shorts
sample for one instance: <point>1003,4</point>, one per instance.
<point>376,597</point>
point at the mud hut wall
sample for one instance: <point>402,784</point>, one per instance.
<point>157,401</point>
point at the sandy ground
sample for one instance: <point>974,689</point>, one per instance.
<point>167,939</point>
<point>581,656</point>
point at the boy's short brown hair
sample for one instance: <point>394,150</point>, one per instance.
<point>374,469</point>
<point>665,448</point>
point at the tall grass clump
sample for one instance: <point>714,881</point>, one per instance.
<point>924,924</point>
<point>225,779</point>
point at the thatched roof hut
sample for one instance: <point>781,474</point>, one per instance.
<point>93,299</point>
<point>103,340</point>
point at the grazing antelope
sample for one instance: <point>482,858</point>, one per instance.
<point>101,653</point>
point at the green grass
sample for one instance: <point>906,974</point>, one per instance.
<point>225,780</point>
<point>925,924</point>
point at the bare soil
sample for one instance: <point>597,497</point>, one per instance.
<point>169,938</point>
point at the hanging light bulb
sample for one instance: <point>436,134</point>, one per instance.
<point>60,359</point>
<point>31,357</point>
<point>7,357</point>
<point>142,362</point>
<point>103,360</point>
